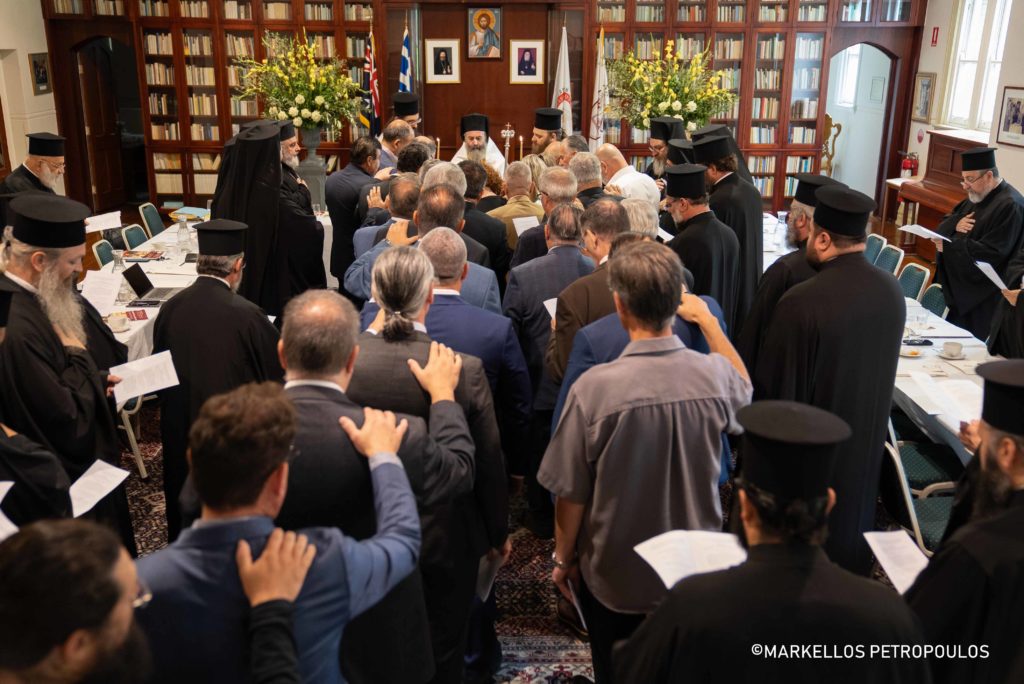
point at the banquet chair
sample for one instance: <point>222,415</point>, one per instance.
<point>875,244</point>
<point>934,301</point>
<point>103,251</point>
<point>151,220</point>
<point>925,519</point>
<point>929,468</point>
<point>134,236</point>
<point>126,414</point>
<point>889,259</point>
<point>913,279</point>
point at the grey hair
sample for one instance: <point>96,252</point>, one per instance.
<point>537,167</point>
<point>17,252</point>
<point>402,280</point>
<point>319,333</point>
<point>427,165</point>
<point>800,209</point>
<point>518,175</point>
<point>564,222</point>
<point>445,173</point>
<point>219,266</point>
<point>447,253</point>
<point>429,142</point>
<point>586,167</point>
<point>643,216</point>
<point>648,278</point>
<point>558,184</point>
<point>577,143</point>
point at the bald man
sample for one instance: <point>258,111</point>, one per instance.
<point>396,135</point>
<point>617,172</point>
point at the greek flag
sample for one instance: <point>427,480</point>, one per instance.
<point>405,73</point>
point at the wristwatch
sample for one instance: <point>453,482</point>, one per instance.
<point>561,565</point>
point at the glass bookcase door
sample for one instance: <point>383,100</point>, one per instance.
<point>773,11</point>
<point>895,11</point>
<point>358,11</point>
<point>323,44</point>
<point>194,9</point>
<point>318,11</point>
<point>762,173</point>
<point>691,12</point>
<point>201,85</point>
<point>648,45</point>
<point>690,44</point>
<point>855,11</point>
<point>167,174</point>
<point>770,59</point>
<point>812,11</point>
<point>161,92</point>
<point>277,10</point>
<point>237,10</point>
<point>239,45</point>
<point>806,88</point>
<point>204,167</point>
<point>796,164</point>
<point>614,45</point>
<point>67,7</point>
<point>109,8</point>
<point>731,11</point>
<point>648,12</point>
<point>154,8</point>
<point>610,11</point>
<point>727,57</point>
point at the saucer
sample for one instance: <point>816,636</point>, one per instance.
<point>911,352</point>
<point>949,357</point>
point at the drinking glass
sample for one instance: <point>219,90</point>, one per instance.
<point>118,261</point>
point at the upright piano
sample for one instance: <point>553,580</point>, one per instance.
<point>939,190</point>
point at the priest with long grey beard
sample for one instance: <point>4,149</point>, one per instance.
<point>300,235</point>
<point>52,390</point>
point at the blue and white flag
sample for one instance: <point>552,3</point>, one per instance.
<point>405,73</point>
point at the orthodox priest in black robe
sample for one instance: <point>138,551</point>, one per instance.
<point>970,591</point>
<point>716,129</point>
<point>53,393</point>
<point>987,226</point>
<point>218,341</point>
<point>737,204</point>
<point>663,129</point>
<point>301,235</point>
<point>1007,336</point>
<point>706,246</point>
<point>43,166</point>
<point>787,593</point>
<point>787,271</point>
<point>249,192</point>
<point>833,342</point>
<point>680,151</point>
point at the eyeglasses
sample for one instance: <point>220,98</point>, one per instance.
<point>143,595</point>
<point>56,166</point>
<point>971,181</point>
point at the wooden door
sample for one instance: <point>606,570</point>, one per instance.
<point>102,128</point>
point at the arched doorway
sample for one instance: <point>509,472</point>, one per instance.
<point>859,100</point>
<point>111,123</point>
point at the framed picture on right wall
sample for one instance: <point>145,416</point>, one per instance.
<point>1010,124</point>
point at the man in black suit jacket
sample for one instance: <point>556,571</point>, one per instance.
<point>557,186</point>
<point>342,197</point>
<point>485,229</point>
<point>329,482</point>
<point>402,286</point>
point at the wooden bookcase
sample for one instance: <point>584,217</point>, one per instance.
<point>187,79</point>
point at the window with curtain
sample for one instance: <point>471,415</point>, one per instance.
<point>977,59</point>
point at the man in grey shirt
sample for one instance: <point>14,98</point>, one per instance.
<point>636,452</point>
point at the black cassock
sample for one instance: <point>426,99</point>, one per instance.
<point>834,342</point>
<point>40,484</point>
<point>970,593</point>
<point>786,272</point>
<point>1007,336</point>
<point>218,341</point>
<point>54,395</point>
<point>995,239</point>
<point>710,251</point>
<point>23,180</point>
<point>738,205</point>
<point>300,235</point>
<point>784,595</point>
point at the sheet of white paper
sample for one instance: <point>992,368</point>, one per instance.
<point>576,604</point>
<point>665,235</point>
<point>524,223</point>
<point>7,528</point>
<point>550,305</point>
<point>965,399</point>
<point>898,555</point>
<point>927,394</point>
<point>101,289</point>
<point>991,274</point>
<point>485,575</point>
<point>95,483</point>
<point>94,224</point>
<point>681,553</point>
<point>144,376</point>
<point>921,231</point>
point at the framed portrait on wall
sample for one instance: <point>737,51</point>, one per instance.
<point>1010,125</point>
<point>39,70</point>
<point>526,61</point>
<point>484,40</point>
<point>924,96</point>
<point>442,60</point>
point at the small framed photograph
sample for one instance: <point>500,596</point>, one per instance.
<point>442,60</point>
<point>484,40</point>
<point>526,63</point>
<point>1011,117</point>
<point>39,68</point>
<point>924,96</point>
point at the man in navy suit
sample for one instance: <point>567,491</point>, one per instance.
<point>529,286</point>
<point>197,622</point>
<point>330,485</point>
<point>439,205</point>
<point>401,201</point>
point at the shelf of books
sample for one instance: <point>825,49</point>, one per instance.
<point>770,58</point>
<point>811,11</point>
<point>154,8</point>
<point>805,88</point>
<point>67,7</point>
<point>109,8</point>
<point>611,12</point>
<point>168,183</point>
<point>161,88</point>
<point>894,11</point>
<point>201,86</point>
<point>648,12</point>
<point>692,12</point>
<point>731,12</point>
<point>797,163</point>
<point>203,173</point>
<point>773,11</point>
<point>194,9</point>
<point>239,44</point>
<point>855,11</point>
<point>237,10</point>
<point>690,44</point>
<point>727,57</point>
<point>762,171</point>
<point>277,10</point>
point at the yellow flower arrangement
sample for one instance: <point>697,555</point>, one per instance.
<point>295,78</point>
<point>670,85</point>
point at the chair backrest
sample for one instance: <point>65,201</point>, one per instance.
<point>912,279</point>
<point>151,219</point>
<point>889,259</point>
<point>103,251</point>
<point>875,244</point>
<point>895,493</point>
<point>934,301</point>
<point>134,236</point>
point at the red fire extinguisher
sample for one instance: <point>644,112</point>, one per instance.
<point>909,165</point>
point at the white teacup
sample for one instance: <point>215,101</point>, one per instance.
<point>952,349</point>
<point>119,324</point>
